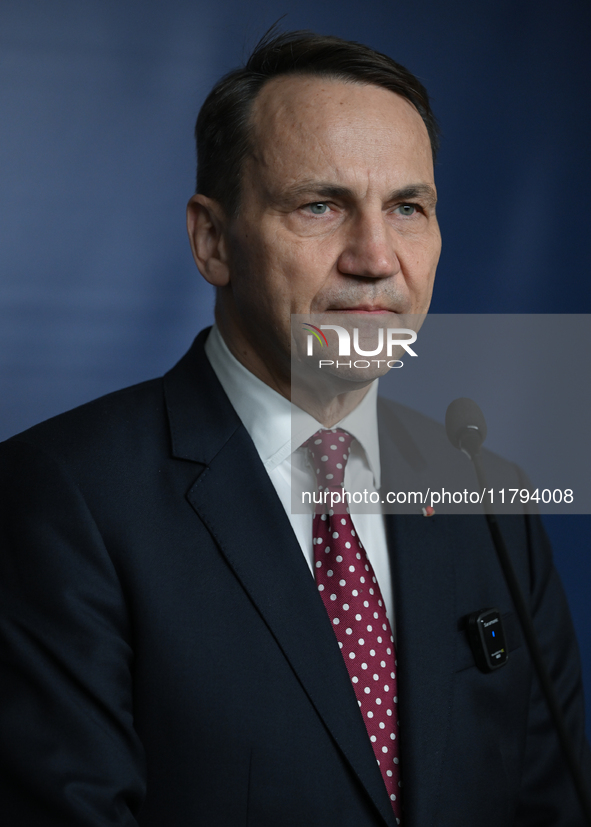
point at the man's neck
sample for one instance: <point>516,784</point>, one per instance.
<point>328,403</point>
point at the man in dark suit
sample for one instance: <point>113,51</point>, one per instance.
<point>168,655</point>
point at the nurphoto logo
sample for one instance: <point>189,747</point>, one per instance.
<point>392,339</point>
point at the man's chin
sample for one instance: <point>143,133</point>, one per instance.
<point>349,374</point>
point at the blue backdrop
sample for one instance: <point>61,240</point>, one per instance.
<point>98,98</point>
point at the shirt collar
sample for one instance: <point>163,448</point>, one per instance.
<point>276,426</point>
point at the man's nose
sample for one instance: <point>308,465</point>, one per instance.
<point>369,248</point>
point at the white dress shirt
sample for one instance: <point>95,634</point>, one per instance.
<point>278,430</point>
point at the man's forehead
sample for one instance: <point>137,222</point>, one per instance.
<point>303,101</point>
<point>306,126</point>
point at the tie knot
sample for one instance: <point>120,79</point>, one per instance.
<point>329,451</point>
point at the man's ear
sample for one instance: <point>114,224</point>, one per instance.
<point>206,224</point>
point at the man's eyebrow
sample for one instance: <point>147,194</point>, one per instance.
<point>424,192</point>
<point>321,189</point>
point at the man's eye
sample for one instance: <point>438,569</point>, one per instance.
<point>318,208</point>
<point>406,209</point>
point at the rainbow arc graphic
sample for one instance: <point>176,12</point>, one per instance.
<point>315,331</point>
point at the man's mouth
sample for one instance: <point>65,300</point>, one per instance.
<point>362,308</point>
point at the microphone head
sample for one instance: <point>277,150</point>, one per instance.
<point>464,418</point>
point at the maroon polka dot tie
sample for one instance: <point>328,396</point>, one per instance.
<point>352,597</point>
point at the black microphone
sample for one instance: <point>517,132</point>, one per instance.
<point>465,425</point>
<point>466,430</point>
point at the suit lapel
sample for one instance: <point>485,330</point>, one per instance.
<point>237,502</point>
<point>422,558</point>
<point>423,577</point>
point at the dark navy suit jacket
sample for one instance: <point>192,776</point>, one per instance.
<point>166,658</point>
